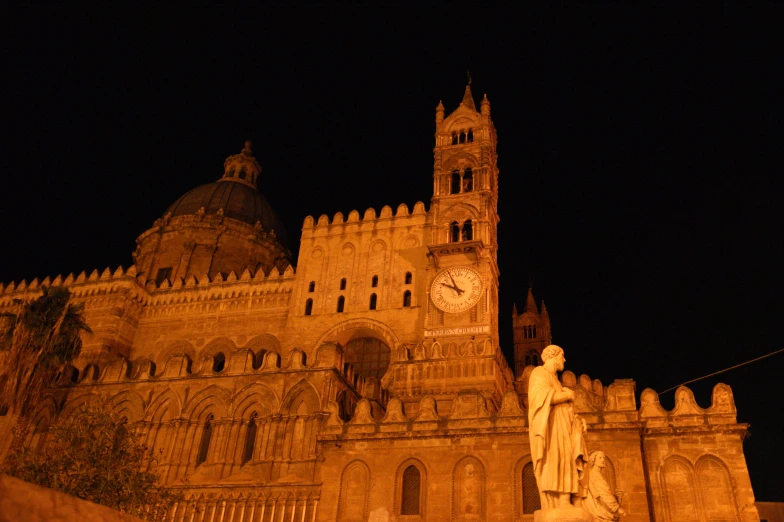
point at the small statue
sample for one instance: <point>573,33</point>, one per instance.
<point>600,501</point>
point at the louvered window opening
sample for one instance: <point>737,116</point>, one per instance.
<point>409,504</point>
<point>531,501</point>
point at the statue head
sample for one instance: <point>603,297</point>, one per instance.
<point>556,354</point>
<point>470,470</point>
<point>597,459</point>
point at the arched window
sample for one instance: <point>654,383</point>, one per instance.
<point>409,278</point>
<point>206,437</point>
<point>242,173</point>
<point>468,180</point>
<point>532,358</point>
<point>407,298</point>
<point>454,138</point>
<point>250,440</point>
<point>343,284</point>
<point>462,137</point>
<point>312,286</point>
<point>454,232</point>
<point>369,356</point>
<point>341,303</point>
<point>468,231</point>
<point>218,362</point>
<point>410,494</point>
<point>374,281</point>
<point>470,136</point>
<point>373,299</point>
<point>455,188</point>
<point>309,307</point>
<point>531,500</point>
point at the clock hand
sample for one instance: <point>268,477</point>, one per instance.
<point>459,290</point>
<point>456,289</point>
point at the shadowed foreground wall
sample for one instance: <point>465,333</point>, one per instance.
<point>24,501</point>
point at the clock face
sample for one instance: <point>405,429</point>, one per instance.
<point>456,289</point>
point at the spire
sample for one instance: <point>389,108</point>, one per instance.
<point>530,304</point>
<point>468,98</point>
<point>544,308</point>
<point>485,106</point>
<point>514,310</point>
<point>440,112</point>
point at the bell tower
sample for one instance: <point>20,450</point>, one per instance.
<point>463,248</point>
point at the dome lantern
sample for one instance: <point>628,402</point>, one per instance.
<point>242,167</point>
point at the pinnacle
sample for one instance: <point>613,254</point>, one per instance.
<point>468,98</point>
<point>530,304</point>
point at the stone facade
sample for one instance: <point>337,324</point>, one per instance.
<point>342,390</point>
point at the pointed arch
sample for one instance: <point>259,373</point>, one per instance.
<point>410,479</point>
<point>128,404</point>
<point>254,398</point>
<point>166,405</point>
<point>468,489</point>
<point>715,489</point>
<point>677,485</point>
<point>303,393</point>
<point>218,345</point>
<point>177,348</point>
<point>78,401</point>
<point>526,492</point>
<point>460,212</point>
<point>354,496</point>
<point>211,400</point>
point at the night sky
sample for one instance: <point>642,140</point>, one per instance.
<point>640,157</point>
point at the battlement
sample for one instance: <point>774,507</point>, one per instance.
<point>369,216</point>
<point>87,286</point>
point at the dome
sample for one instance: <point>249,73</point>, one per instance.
<point>235,195</point>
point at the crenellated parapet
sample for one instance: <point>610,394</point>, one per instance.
<point>401,217</point>
<point>687,413</point>
<point>469,411</point>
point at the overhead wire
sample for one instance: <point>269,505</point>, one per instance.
<point>722,371</point>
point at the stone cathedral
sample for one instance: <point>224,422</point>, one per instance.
<point>362,381</point>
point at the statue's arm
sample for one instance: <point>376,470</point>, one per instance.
<point>560,397</point>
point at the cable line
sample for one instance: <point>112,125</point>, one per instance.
<point>722,371</point>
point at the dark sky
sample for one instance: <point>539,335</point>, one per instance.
<point>640,157</point>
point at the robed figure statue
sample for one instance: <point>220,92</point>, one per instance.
<point>556,434</point>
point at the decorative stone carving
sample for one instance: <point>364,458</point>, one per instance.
<point>600,501</point>
<point>395,411</point>
<point>427,410</point>
<point>685,403</point>
<point>510,406</point>
<point>556,437</point>
<point>469,405</point>
<point>362,414</point>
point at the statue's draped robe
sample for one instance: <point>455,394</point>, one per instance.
<point>557,446</point>
<point>600,501</point>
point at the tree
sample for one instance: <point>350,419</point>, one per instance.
<point>43,336</point>
<point>94,454</point>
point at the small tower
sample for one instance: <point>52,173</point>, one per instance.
<point>531,334</point>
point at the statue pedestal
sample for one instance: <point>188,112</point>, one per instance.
<point>562,514</point>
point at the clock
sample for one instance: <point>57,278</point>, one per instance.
<point>456,289</point>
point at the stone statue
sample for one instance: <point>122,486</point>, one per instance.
<point>600,501</point>
<point>556,435</point>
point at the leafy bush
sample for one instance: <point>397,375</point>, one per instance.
<point>95,455</point>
